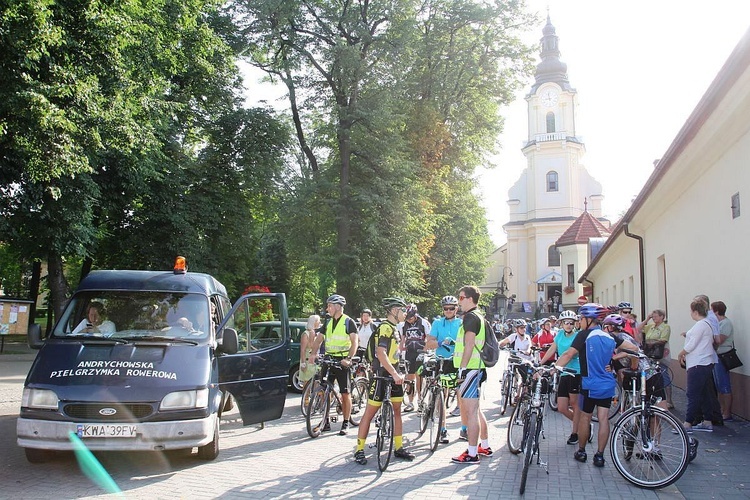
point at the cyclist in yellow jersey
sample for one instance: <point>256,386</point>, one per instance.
<point>385,362</point>
<point>341,341</point>
<point>471,374</point>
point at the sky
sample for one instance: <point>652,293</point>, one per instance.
<point>639,67</point>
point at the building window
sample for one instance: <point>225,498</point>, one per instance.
<point>735,205</point>
<point>550,122</point>
<point>571,275</point>
<point>553,256</point>
<point>552,184</point>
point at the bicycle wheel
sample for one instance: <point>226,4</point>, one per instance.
<point>614,407</point>
<point>427,403</point>
<point>306,390</point>
<point>515,428</point>
<point>505,390</point>
<point>317,411</point>
<point>437,417</point>
<point>359,400</point>
<point>649,447</point>
<point>529,449</point>
<point>552,400</point>
<point>384,439</point>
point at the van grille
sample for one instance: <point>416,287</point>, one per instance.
<point>125,412</point>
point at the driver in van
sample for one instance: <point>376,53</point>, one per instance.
<point>95,321</point>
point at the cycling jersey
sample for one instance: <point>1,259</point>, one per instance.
<point>443,329</point>
<point>563,343</point>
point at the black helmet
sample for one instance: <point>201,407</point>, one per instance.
<point>389,302</point>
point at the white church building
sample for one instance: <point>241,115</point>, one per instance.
<point>554,190</point>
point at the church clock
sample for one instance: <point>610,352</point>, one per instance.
<point>549,98</point>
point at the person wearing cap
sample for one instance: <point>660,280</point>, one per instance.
<point>414,332</point>
<point>341,342</point>
<point>365,330</point>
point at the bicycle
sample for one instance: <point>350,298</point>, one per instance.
<point>432,400</point>
<point>649,446</point>
<point>359,385</point>
<point>530,413</point>
<point>509,382</point>
<point>324,396</point>
<point>384,434</point>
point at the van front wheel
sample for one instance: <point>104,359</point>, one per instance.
<point>211,450</point>
<point>38,456</point>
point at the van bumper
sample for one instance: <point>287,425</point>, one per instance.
<point>172,435</point>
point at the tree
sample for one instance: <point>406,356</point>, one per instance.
<point>361,77</point>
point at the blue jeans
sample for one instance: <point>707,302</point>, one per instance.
<point>699,386</point>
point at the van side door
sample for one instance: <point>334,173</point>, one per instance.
<point>257,374</point>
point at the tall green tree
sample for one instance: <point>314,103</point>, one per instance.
<point>369,83</point>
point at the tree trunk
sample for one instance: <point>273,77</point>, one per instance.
<point>58,285</point>
<point>36,275</point>
<point>344,271</point>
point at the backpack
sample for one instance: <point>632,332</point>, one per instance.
<point>491,350</point>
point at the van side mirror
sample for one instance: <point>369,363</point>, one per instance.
<point>34,337</point>
<point>229,342</point>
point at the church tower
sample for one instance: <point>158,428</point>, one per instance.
<point>553,188</point>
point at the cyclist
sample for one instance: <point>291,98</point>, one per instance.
<point>595,348</point>
<point>569,386</point>
<point>626,311</point>
<point>522,344</point>
<point>384,363</point>
<point>340,336</point>
<point>442,338</point>
<point>544,338</point>
<point>614,324</point>
<point>414,331</point>
<point>366,328</point>
<point>471,374</point>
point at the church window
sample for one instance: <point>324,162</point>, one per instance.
<point>553,256</point>
<point>571,275</point>
<point>552,184</point>
<point>550,122</point>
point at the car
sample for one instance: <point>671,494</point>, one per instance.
<point>266,332</point>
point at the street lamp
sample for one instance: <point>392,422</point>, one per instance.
<point>502,298</point>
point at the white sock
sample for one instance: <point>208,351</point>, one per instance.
<point>472,451</point>
<point>485,443</point>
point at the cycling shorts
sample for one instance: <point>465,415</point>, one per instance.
<point>413,365</point>
<point>588,404</point>
<point>567,385</point>
<point>469,388</point>
<point>339,374</point>
<point>376,392</point>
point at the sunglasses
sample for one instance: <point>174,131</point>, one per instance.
<point>627,311</point>
<point>461,297</point>
<point>568,322</point>
<point>402,309</point>
<point>449,309</point>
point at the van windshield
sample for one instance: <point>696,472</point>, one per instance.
<point>128,314</point>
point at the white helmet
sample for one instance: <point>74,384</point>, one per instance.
<point>568,315</point>
<point>336,299</point>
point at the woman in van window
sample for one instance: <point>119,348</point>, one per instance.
<point>95,321</point>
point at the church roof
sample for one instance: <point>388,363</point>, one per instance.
<point>584,228</point>
<point>551,68</point>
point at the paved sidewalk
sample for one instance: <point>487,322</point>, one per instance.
<point>281,461</point>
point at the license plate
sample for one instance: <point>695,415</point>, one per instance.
<point>106,430</point>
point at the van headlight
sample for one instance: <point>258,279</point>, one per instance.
<point>184,400</point>
<point>39,399</point>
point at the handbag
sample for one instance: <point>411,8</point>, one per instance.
<point>729,359</point>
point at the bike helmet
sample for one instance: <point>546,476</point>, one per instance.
<point>624,305</point>
<point>614,319</point>
<point>518,323</point>
<point>592,311</point>
<point>367,311</point>
<point>336,299</point>
<point>567,315</point>
<point>449,300</point>
<point>390,302</point>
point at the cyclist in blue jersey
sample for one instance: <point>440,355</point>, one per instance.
<point>442,338</point>
<point>595,348</point>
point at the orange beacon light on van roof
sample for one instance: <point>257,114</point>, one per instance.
<point>180,265</point>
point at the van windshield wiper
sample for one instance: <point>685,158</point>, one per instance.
<point>92,338</point>
<point>156,338</point>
